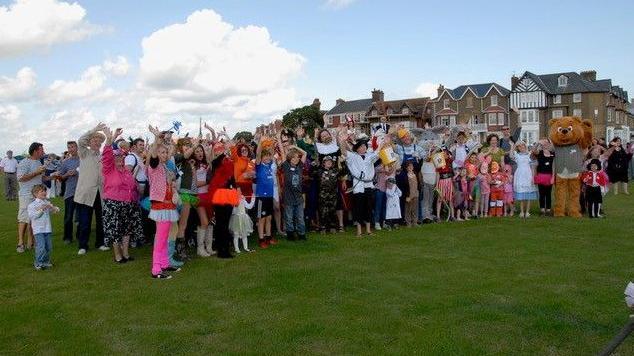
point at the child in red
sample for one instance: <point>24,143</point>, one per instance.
<point>497,178</point>
<point>595,181</point>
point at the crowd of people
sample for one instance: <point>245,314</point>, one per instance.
<point>211,193</point>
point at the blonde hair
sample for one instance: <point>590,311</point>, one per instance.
<point>38,188</point>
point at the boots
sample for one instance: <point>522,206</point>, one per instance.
<point>209,238</point>
<point>171,249</point>
<point>200,243</point>
<point>290,236</point>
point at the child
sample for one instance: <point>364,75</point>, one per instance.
<point>411,200</point>
<point>523,183</point>
<point>39,215</point>
<point>292,169</point>
<point>428,185</point>
<point>461,195</point>
<point>240,224</point>
<point>392,203</point>
<point>508,190</point>
<point>497,180</point>
<point>595,181</point>
<point>444,185</point>
<point>484,181</point>
<point>265,169</point>
<point>360,164</point>
<point>327,178</point>
<point>473,185</point>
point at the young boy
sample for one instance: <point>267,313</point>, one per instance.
<point>39,215</point>
<point>265,169</point>
<point>392,204</point>
<point>595,181</point>
<point>292,168</point>
<point>328,178</point>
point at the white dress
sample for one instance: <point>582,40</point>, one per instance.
<point>240,223</point>
<point>523,185</point>
<point>392,203</point>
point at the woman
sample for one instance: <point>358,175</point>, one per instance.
<point>544,177</point>
<point>244,170</point>
<point>121,214</point>
<point>494,150</point>
<point>618,163</point>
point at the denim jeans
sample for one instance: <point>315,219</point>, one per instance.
<point>43,247</point>
<point>379,207</point>
<point>84,214</point>
<point>294,218</point>
<point>427,203</point>
<point>69,214</point>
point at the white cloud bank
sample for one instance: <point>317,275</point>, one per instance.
<point>21,87</point>
<point>36,25</point>
<point>427,89</point>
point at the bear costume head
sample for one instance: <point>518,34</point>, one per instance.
<point>569,130</point>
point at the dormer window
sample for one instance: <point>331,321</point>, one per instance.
<point>563,81</point>
<point>445,104</point>
<point>375,113</point>
<point>405,111</point>
<point>390,111</point>
<point>494,100</point>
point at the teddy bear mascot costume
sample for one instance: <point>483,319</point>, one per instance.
<point>571,137</point>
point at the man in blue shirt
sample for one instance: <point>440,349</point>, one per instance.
<point>68,172</point>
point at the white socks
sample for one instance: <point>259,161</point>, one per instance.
<point>245,244</point>
<point>200,240</point>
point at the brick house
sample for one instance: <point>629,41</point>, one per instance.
<point>482,107</point>
<point>269,129</point>
<point>412,112</point>
<point>538,98</point>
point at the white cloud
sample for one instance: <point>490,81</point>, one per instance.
<point>119,67</point>
<point>12,130</point>
<point>207,66</point>
<point>338,4</point>
<point>19,88</point>
<point>28,25</point>
<point>427,89</point>
<point>89,85</point>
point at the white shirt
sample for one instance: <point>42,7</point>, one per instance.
<point>10,165</point>
<point>40,217</point>
<point>362,170</point>
<point>133,160</point>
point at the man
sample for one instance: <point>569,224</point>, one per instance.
<point>506,143</point>
<point>89,185</point>
<point>9,167</point>
<point>134,164</point>
<point>29,173</point>
<point>407,150</point>
<point>69,175</point>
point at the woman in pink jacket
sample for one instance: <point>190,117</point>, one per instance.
<point>121,213</point>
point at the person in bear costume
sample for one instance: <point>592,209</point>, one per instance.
<point>571,137</point>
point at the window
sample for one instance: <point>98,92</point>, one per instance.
<point>329,120</point>
<point>447,120</point>
<point>529,136</point>
<point>390,111</point>
<point>558,113</point>
<point>406,110</point>
<point>557,99</point>
<point>562,81</point>
<point>529,116</point>
<point>501,118</point>
<point>469,102</point>
<point>493,119</point>
<point>609,114</point>
<point>445,103</point>
<point>577,112</point>
<point>576,97</point>
<point>494,100</point>
<point>375,113</point>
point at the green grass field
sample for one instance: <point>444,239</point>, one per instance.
<point>543,286</point>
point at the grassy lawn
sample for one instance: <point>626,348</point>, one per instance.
<point>495,286</point>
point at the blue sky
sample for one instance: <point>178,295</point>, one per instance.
<point>395,45</point>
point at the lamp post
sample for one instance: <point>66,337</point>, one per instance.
<point>627,328</point>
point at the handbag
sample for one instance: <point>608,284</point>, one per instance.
<point>542,179</point>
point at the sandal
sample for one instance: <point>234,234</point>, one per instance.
<point>19,249</point>
<point>341,229</point>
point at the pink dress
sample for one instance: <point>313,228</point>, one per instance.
<point>508,191</point>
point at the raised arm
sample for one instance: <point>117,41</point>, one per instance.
<point>107,157</point>
<point>83,143</point>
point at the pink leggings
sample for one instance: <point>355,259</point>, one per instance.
<point>160,259</point>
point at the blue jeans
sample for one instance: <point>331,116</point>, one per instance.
<point>294,218</point>
<point>379,206</point>
<point>43,247</point>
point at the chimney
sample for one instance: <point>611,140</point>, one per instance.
<point>590,75</point>
<point>340,101</point>
<point>441,88</point>
<point>377,95</point>
<point>514,81</point>
<point>317,103</point>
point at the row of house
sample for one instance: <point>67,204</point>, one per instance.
<point>530,103</point>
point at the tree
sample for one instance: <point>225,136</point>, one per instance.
<point>246,135</point>
<point>309,117</point>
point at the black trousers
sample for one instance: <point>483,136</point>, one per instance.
<point>222,235</point>
<point>84,215</point>
<point>544,196</point>
<point>69,214</point>
<point>593,199</point>
<point>362,204</point>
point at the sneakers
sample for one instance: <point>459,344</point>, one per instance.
<point>81,252</point>
<point>19,249</point>
<point>161,276</point>
<point>171,269</point>
<point>263,243</point>
<point>39,268</point>
<point>104,248</point>
<point>377,226</point>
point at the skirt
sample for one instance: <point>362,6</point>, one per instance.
<point>163,215</point>
<point>519,196</point>
<point>445,189</point>
<point>508,197</point>
<point>241,225</point>
<point>121,219</point>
